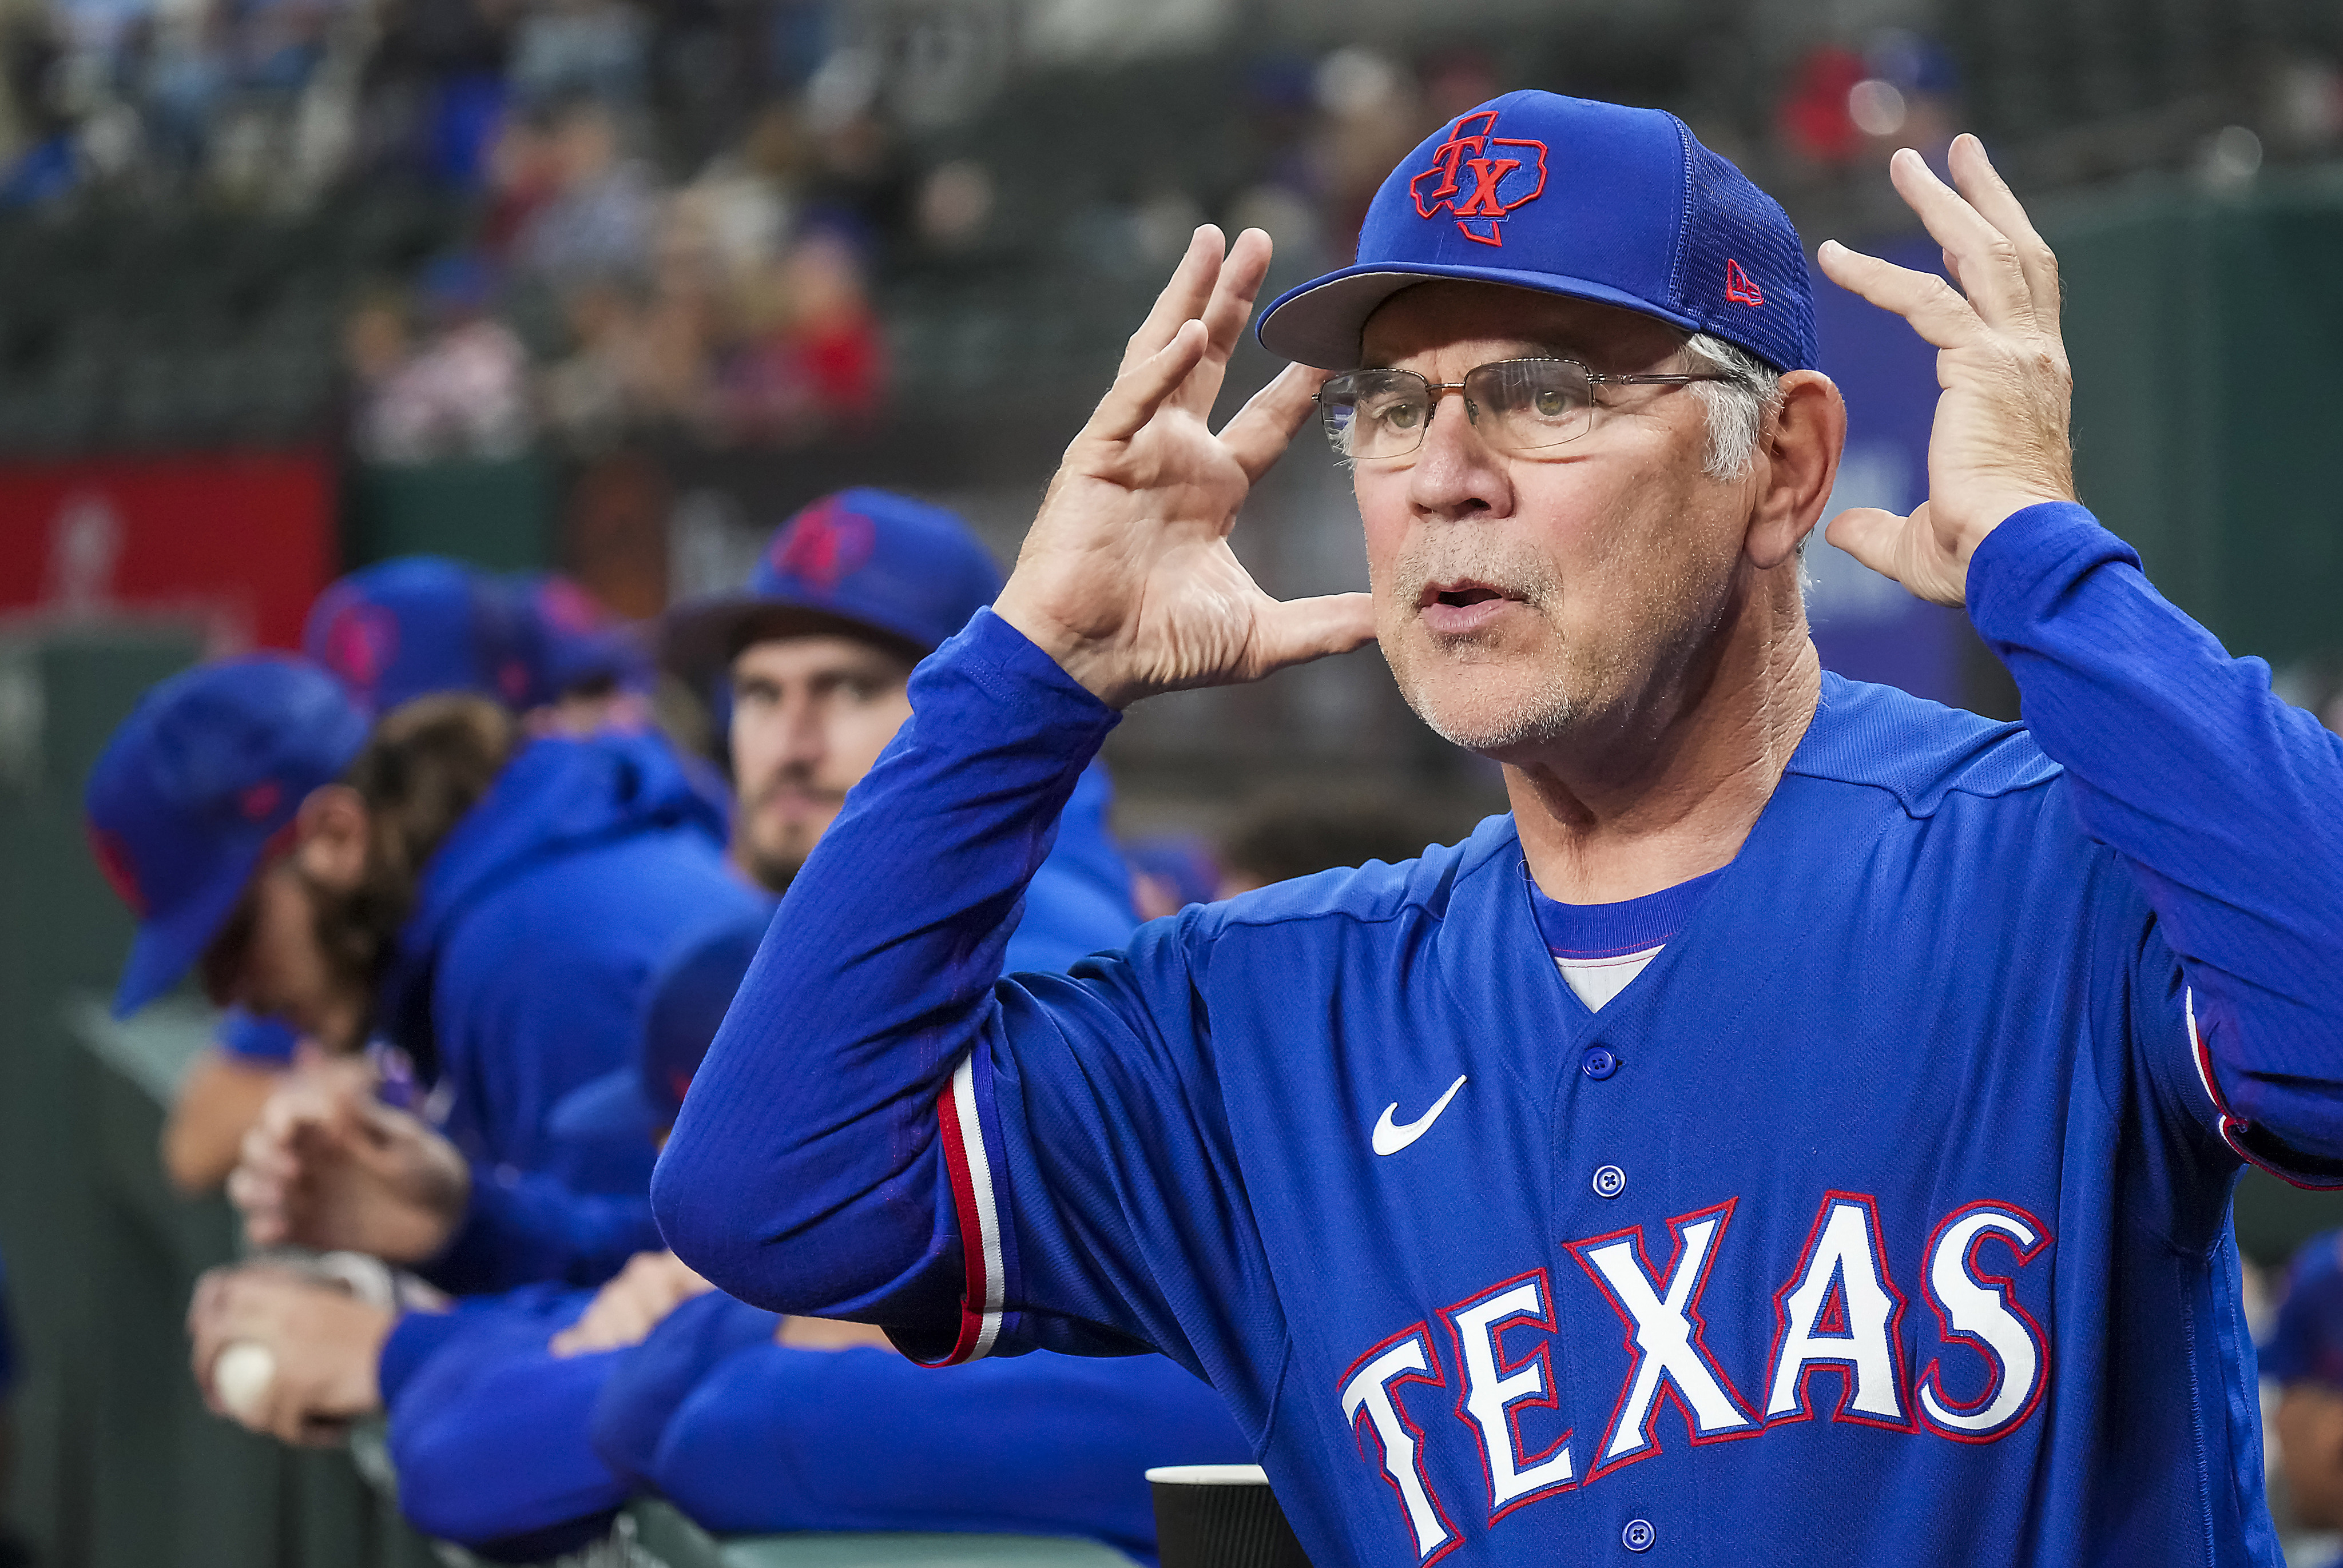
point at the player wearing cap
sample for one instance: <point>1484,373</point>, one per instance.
<point>814,653</point>
<point>1880,1216</point>
<point>850,592</point>
<point>492,906</point>
<point>392,632</point>
<point>519,1423</point>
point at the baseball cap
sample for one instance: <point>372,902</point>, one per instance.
<point>418,625</point>
<point>2306,1342</point>
<point>1567,195</point>
<point>571,642</point>
<point>211,765</point>
<point>858,562</point>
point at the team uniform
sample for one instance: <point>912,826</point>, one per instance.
<point>1881,1217</point>
<point>522,1454</point>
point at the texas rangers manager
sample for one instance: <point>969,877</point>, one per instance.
<point>1801,1132</point>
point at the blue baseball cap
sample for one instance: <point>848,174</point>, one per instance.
<point>572,643</point>
<point>2306,1342</point>
<point>857,563</point>
<point>1566,195</point>
<point>207,771</point>
<point>419,625</point>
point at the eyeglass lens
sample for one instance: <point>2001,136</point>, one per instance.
<point>1517,404</point>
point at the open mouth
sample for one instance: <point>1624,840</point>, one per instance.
<point>1459,594</point>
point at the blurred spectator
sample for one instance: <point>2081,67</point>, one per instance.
<point>462,393</point>
<point>1282,840</point>
<point>2304,1356</point>
<point>1169,871</point>
<point>601,216</point>
<point>813,361</point>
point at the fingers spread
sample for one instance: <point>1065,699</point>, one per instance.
<point>1934,307</point>
<point>1987,192</point>
<point>1989,269</point>
<point>1145,387</point>
<point>1261,430</point>
<point>1183,297</point>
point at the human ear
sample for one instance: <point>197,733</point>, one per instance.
<point>330,836</point>
<point>1800,452</point>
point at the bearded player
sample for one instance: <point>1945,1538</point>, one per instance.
<point>1800,1130</point>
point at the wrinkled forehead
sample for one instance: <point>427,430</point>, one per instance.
<point>1421,322</point>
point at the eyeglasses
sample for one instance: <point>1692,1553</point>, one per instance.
<point>1517,404</point>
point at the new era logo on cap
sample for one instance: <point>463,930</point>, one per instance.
<point>1737,287</point>
<point>1478,177</point>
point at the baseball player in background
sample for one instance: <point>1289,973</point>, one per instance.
<point>1802,1131</point>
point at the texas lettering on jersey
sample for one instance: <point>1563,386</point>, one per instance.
<point>1838,1311</point>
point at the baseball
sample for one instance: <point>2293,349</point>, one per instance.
<point>243,1375</point>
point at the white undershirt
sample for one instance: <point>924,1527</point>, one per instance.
<point>1597,981</point>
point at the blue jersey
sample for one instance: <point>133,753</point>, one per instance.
<point>513,1450</point>
<point>1882,1218</point>
<point>521,975</point>
<point>255,1040</point>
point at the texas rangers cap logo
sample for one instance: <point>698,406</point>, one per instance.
<point>821,546</point>
<point>360,641</point>
<point>1478,177</point>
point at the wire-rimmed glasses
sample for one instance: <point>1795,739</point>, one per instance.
<point>1517,404</point>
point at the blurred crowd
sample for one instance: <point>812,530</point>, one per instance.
<point>716,222</point>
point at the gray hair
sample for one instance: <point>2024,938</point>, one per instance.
<point>1737,407</point>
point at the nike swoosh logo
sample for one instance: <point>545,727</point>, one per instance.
<point>1391,1137</point>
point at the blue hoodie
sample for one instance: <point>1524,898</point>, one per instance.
<point>517,1453</point>
<point>520,976</point>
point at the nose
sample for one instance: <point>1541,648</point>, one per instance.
<point>805,738</point>
<point>1456,473</point>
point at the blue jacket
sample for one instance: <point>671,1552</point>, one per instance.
<point>609,832</point>
<point>520,1454</point>
<point>521,974</point>
<point>1883,1218</point>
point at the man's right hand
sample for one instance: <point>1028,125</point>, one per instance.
<point>1126,578</point>
<point>329,1168</point>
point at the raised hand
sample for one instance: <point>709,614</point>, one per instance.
<point>1126,578</point>
<point>2000,441</point>
<point>333,1169</point>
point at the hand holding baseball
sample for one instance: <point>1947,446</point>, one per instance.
<point>333,1169</point>
<point>2000,441</point>
<point>1126,578</point>
<point>315,1344</point>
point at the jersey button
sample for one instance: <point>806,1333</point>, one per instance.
<point>1639,1536</point>
<point>1609,1182</point>
<point>1599,1063</point>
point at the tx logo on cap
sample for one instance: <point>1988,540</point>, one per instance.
<point>823,545</point>
<point>1479,177</point>
<point>360,643</point>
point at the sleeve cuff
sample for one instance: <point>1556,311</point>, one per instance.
<point>1009,666</point>
<point>2036,549</point>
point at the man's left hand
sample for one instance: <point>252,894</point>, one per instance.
<point>2000,441</point>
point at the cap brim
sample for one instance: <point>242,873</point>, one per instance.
<point>168,945</point>
<point>1320,323</point>
<point>697,640</point>
<point>612,1109</point>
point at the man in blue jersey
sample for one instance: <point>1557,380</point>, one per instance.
<point>1880,1214</point>
<point>850,592</point>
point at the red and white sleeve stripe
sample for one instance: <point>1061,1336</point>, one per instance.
<point>975,1198</point>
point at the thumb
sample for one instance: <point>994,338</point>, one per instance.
<point>1871,536</point>
<point>1296,631</point>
